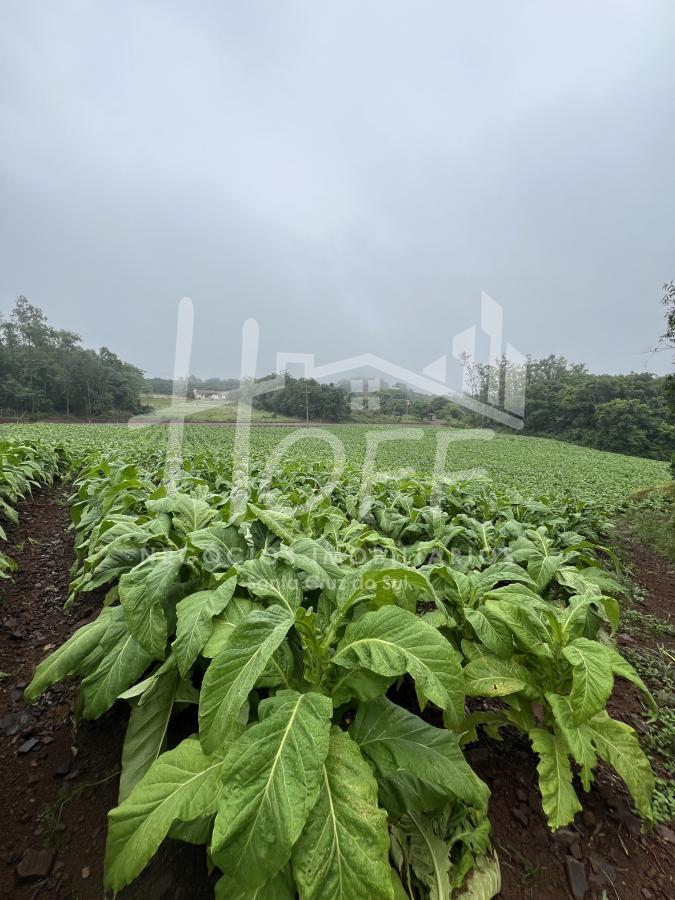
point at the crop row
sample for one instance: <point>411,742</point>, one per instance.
<point>532,466</point>
<point>24,465</point>
<point>287,616</point>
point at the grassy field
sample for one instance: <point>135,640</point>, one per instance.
<point>210,412</point>
<point>228,414</point>
<point>652,519</point>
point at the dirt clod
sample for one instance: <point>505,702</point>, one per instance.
<point>588,818</point>
<point>576,875</point>
<point>16,722</point>
<point>522,814</point>
<point>35,864</point>
<point>667,834</point>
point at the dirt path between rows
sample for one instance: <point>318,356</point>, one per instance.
<point>59,778</point>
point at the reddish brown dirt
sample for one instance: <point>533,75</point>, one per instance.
<point>654,575</point>
<point>56,794</point>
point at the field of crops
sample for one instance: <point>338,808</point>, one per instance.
<point>337,640</point>
<point>533,466</point>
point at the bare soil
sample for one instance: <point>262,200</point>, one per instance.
<point>59,777</point>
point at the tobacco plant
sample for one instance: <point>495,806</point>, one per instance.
<point>299,755</point>
<point>292,627</point>
<point>555,673</point>
<point>24,466</point>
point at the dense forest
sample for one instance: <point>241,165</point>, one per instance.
<point>306,398</point>
<point>624,413</point>
<point>45,370</point>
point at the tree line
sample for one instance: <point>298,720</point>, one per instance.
<point>623,413</point>
<point>45,370</point>
<point>632,413</point>
<point>305,398</point>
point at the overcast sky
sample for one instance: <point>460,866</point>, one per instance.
<point>352,175</point>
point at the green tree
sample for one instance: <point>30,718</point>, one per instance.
<point>626,426</point>
<point>302,397</point>
<point>668,340</point>
<point>45,370</point>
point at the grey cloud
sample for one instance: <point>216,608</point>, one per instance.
<point>352,175</point>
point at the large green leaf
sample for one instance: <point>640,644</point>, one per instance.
<point>221,626</point>
<point>490,676</point>
<point>543,569</point>
<point>393,641</point>
<point>278,521</point>
<point>590,578</point>
<point>314,576</point>
<point>67,660</point>
<point>577,737</point>
<point>617,743</point>
<point>197,832</point>
<point>280,887</point>
<point>271,581</point>
<point>429,854</point>
<point>523,622</point>
<point>118,560</point>
<point>141,594</point>
<point>233,673</point>
<point>222,546</point>
<point>145,736</point>
<point>623,669</point>
<point>121,661</point>
<point>592,679</point>
<point>183,784</point>
<point>272,779</point>
<point>574,618</point>
<point>313,559</point>
<point>395,739</point>
<point>610,610</point>
<point>190,514</point>
<point>559,799</point>
<point>394,582</point>
<point>400,792</point>
<point>342,852</point>
<point>360,683</point>
<point>519,594</point>
<point>195,622</point>
<point>503,571</point>
<point>397,885</point>
<point>10,514</point>
<point>490,630</point>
